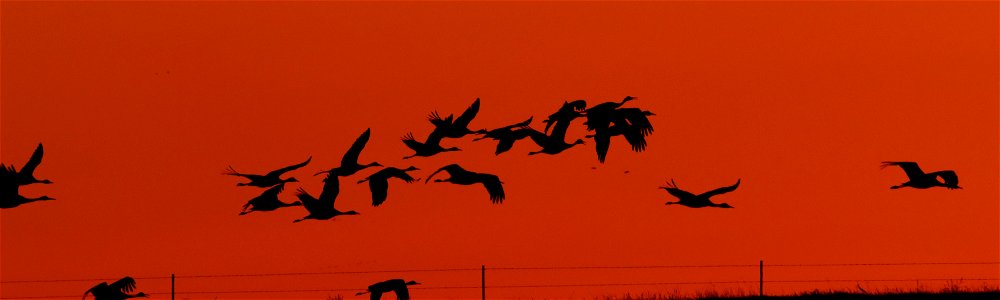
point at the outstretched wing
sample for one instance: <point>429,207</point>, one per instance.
<point>602,140</point>
<point>351,156</point>
<point>8,181</point>
<point>402,293</point>
<point>721,190</point>
<point>912,170</point>
<point>467,116</point>
<point>278,172</point>
<point>494,187</point>
<point>411,142</point>
<point>949,177</point>
<point>447,168</point>
<point>126,285</point>
<point>331,188</point>
<point>678,193</point>
<point>401,175</point>
<point>34,161</point>
<point>380,190</point>
<point>636,119</point>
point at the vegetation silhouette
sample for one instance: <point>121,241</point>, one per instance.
<point>269,179</point>
<point>10,197</point>
<point>323,208</point>
<point>119,290</point>
<point>697,201</point>
<point>461,176</point>
<point>397,286</point>
<point>349,163</point>
<point>429,147</point>
<point>268,201</point>
<point>378,182</point>
<point>506,136</point>
<point>920,180</point>
<point>456,128</point>
<point>26,175</point>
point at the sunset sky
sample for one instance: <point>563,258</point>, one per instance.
<point>141,106</point>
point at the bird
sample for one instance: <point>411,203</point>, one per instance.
<point>506,136</point>
<point>26,175</point>
<point>429,147</point>
<point>349,163</point>
<point>119,290</point>
<point>920,180</point>
<point>378,182</point>
<point>268,201</point>
<point>569,110</point>
<point>269,179</point>
<point>323,208</point>
<point>609,119</point>
<point>397,286</point>
<point>697,201</point>
<point>461,176</point>
<point>456,128</point>
<point>9,195</point>
<point>555,142</point>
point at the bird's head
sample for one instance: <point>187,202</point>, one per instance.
<point>141,294</point>
<point>724,205</point>
<point>411,282</point>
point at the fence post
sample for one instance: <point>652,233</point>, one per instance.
<point>762,278</point>
<point>484,281</point>
<point>171,286</point>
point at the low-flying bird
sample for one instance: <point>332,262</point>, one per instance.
<point>458,127</point>
<point>568,111</point>
<point>506,136</point>
<point>349,163</point>
<point>920,180</point>
<point>267,201</point>
<point>378,182</point>
<point>323,207</point>
<point>429,147</point>
<point>269,179</point>
<point>119,290</point>
<point>397,286</point>
<point>9,195</point>
<point>461,176</point>
<point>697,201</point>
<point>26,175</point>
<point>608,120</point>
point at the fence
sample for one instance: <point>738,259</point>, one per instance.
<point>760,281</point>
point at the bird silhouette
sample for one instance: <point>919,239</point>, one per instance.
<point>458,127</point>
<point>378,182</point>
<point>26,175</point>
<point>506,136</point>
<point>267,201</point>
<point>349,163</point>
<point>119,290</point>
<point>697,201</point>
<point>9,195</point>
<point>608,120</point>
<point>397,286</point>
<point>429,147</point>
<point>555,142</point>
<point>568,111</point>
<point>461,176</point>
<point>323,208</point>
<point>269,179</point>
<point>919,180</point>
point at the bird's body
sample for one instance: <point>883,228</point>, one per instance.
<point>267,180</point>
<point>119,290</point>
<point>456,128</point>
<point>429,147</point>
<point>10,197</point>
<point>26,176</point>
<point>609,119</point>
<point>555,142</point>
<point>461,176</point>
<point>506,136</point>
<point>323,208</point>
<point>349,163</point>
<point>267,201</point>
<point>698,201</point>
<point>920,180</point>
<point>378,182</point>
<point>397,286</point>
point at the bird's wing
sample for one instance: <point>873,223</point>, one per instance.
<point>402,293</point>
<point>401,175</point>
<point>375,296</point>
<point>273,191</point>
<point>949,177</point>
<point>679,193</point>
<point>411,142</point>
<point>634,137</point>
<point>331,188</point>
<point>636,119</point>
<point>447,168</point>
<point>278,172</point>
<point>467,116</point>
<point>308,201</point>
<point>539,138</point>
<point>96,287</point>
<point>911,168</point>
<point>435,137</point>
<point>126,285</point>
<point>34,161</point>
<point>602,142</point>
<point>351,156</point>
<point>494,187</point>
<point>8,182</point>
<point>721,190</point>
<point>380,190</point>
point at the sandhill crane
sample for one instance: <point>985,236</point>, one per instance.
<point>568,111</point>
<point>397,286</point>
<point>918,179</point>
<point>378,182</point>
<point>119,290</point>
<point>323,208</point>
<point>430,147</point>
<point>349,163</point>
<point>269,179</point>
<point>460,126</point>
<point>697,201</point>
<point>461,176</point>
<point>608,120</point>
<point>506,136</point>
<point>267,201</point>
<point>26,175</point>
<point>9,195</point>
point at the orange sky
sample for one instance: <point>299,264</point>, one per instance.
<point>140,106</point>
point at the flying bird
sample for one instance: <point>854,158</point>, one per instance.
<point>378,182</point>
<point>920,180</point>
<point>26,175</point>
<point>9,195</point>
<point>269,179</point>
<point>349,163</point>
<point>461,176</point>
<point>429,147</point>
<point>455,128</point>
<point>506,136</point>
<point>397,286</point>
<point>323,208</point>
<point>568,111</point>
<point>609,119</point>
<point>268,201</point>
<point>119,290</point>
<point>697,201</point>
